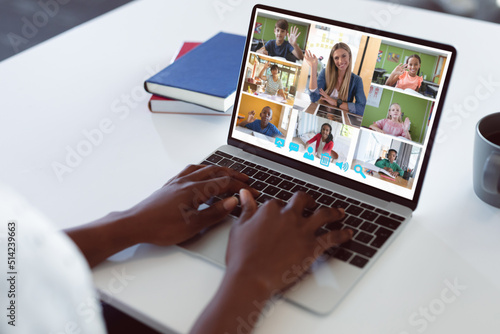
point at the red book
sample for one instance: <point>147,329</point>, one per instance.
<point>159,104</point>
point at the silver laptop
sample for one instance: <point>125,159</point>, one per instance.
<point>393,126</point>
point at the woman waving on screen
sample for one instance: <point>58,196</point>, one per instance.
<point>336,84</point>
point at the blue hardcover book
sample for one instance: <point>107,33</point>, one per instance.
<point>207,75</point>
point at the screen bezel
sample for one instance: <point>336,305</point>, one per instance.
<point>332,177</point>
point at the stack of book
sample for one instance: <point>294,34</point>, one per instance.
<point>202,79</point>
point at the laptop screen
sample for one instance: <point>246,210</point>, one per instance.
<point>345,102</point>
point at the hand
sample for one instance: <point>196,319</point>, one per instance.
<point>327,98</point>
<point>400,69</point>
<point>311,60</point>
<point>276,244</point>
<point>406,125</point>
<point>388,169</point>
<point>292,35</point>
<point>170,215</point>
<point>251,116</point>
<point>267,65</point>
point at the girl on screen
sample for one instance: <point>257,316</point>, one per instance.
<point>393,124</point>
<point>407,75</point>
<point>323,142</point>
<point>336,84</point>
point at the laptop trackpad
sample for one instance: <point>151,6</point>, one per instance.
<point>211,244</point>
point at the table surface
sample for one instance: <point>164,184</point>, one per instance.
<point>78,141</point>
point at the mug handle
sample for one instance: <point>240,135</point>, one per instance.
<point>491,174</point>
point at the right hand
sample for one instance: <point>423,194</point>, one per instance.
<point>399,70</point>
<point>251,116</point>
<point>276,244</point>
<point>311,59</point>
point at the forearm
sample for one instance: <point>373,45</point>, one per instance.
<point>313,82</point>
<point>236,306</point>
<point>391,81</point>
<point>104,237</point>
<point>297,52</point>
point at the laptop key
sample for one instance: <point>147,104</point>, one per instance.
<point>381,236</point>
<point>249,171</point>
<point>325,200</point>
<point>236,211</point>
<point>225,155</point>
<point>286,185</point>
<point>238,166</point>
<point>340,204</point>
<point>358,261</point>
<point>237,159</point>
<point>339,196</point>
<point>354,210</point>
<point>258,185</point>
<point>382,211</point>
<point>263,198</point>
<point>274,180</point>
<point>299,188</point>
<point>271,190</point>
<point>314,194</point>
<point>367,206</point>
<point>262,176</point>
<point>388,222</point>
<point>206,163</point>
<point>364,237</point>
<point>369,215</point>
<point>333,226</point>
<point>395,216</point>
<point>214,158</point>
<point>353,221</point>
<point>284,195</point>
<point>359,248</point>
<point>312,186</point>
<point>299,182</point>
<point>368,227</point>
<point>353,201</point>
<point>343,254</point>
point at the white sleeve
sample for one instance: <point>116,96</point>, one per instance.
<point>51,284</point>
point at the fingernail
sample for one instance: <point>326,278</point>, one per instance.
<point>230,203</point>
<point>244,193</point>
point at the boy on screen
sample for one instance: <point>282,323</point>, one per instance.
<point>281,48</point>
<point>263,124</point>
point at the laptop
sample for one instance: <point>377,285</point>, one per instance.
<point>377,205</point>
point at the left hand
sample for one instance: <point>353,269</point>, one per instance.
<point>170,215</point>
<point>293,35</point>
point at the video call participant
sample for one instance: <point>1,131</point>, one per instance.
<point>274,85</point>
<point>263,124</point>
<point>324,142</point>
<point>407,75</point>
<point>336,84</point>
<point>390,165</point>
<point>393,124</point>
<point>280,47</point>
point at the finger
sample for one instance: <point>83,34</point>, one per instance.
<point>248,206</point>
<point>214,213</point>
<point>300,201</point>
<point>186,171</point>
<point>204,190</point>
<point>323,216</point>
<point>211,172</point>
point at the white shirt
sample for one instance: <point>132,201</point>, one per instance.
<point>53,291</point>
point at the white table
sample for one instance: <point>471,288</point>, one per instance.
<point>91,77</point>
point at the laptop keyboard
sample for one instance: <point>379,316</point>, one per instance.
<point>371,226</point>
